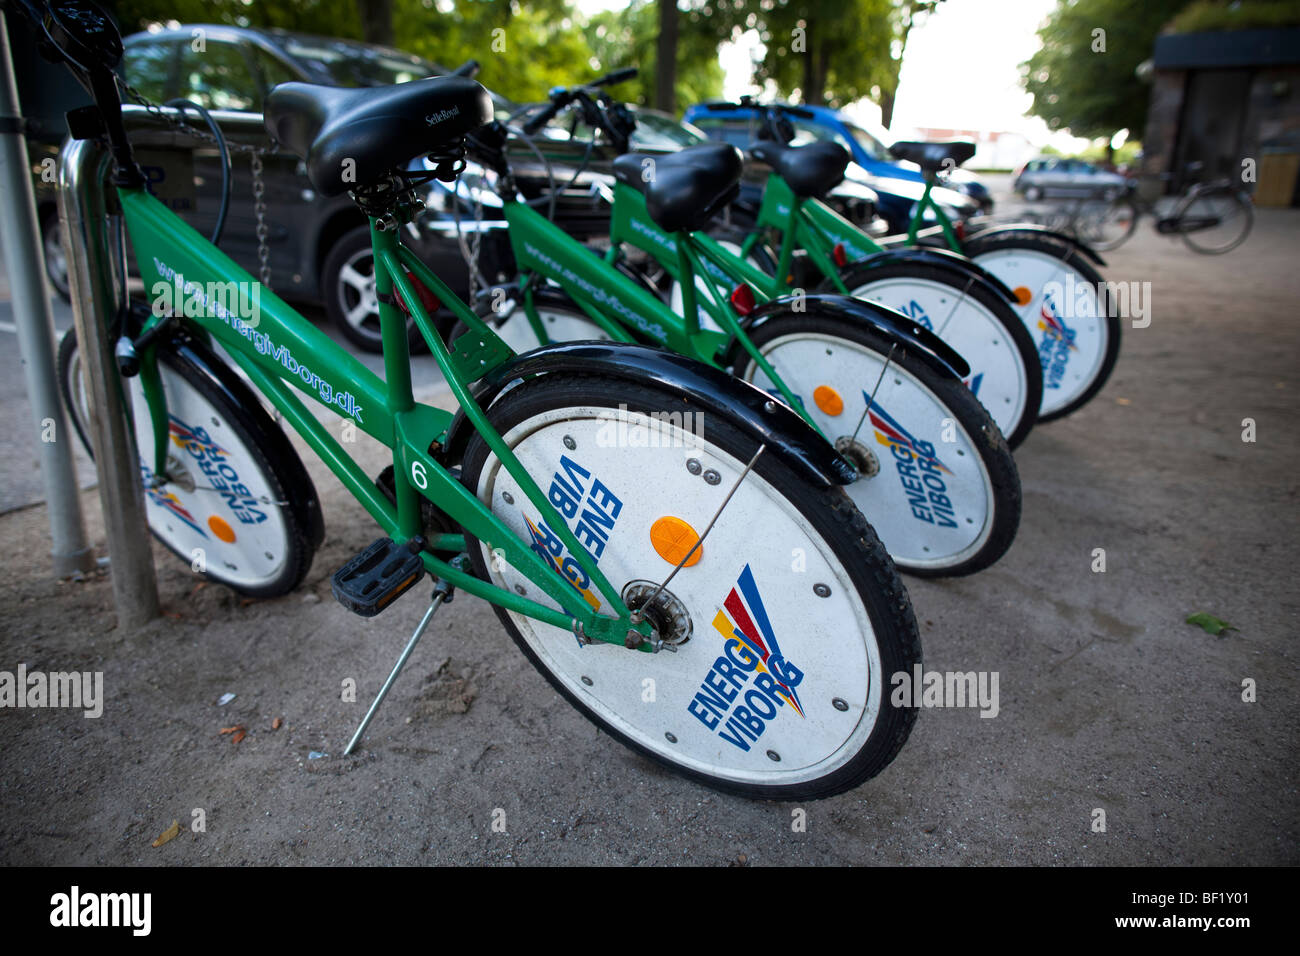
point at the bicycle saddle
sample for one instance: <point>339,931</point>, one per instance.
<point>813,169</point>
<point>376,128</point>
<point>683,190</point>
<point>932,156</point>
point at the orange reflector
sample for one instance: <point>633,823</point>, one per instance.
<point>672,538</point>
<point>742,299</point>
<point>828,400</point>
<point>838,254</point>
<point>221,529</point>
<point>1022,294</point>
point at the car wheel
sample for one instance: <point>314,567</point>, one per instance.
<point>56,262</point>
<point>348,291</point>
<point>1033,193</point>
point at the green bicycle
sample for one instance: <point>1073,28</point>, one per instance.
<point>730,546</point>
<point>934,475</point>
<point>1060,298</point>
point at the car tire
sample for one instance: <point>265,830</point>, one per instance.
<point>347,290</point>
<point>56,262</point>
<point>1033,193</point>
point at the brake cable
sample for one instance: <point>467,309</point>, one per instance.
<point>223,151</point>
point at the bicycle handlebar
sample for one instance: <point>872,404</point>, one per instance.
<point>560,97</point>
<point>614,77</point>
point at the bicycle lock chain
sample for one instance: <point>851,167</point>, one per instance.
<point>255,152</point>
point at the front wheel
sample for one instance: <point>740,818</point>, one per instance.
<point>1067,308</point>
<point>1111,226</point>
<point>936,478</point>
<point>979,324</point>
<point>237,504</point>
<point>787,624</point>
<point>561,320</point>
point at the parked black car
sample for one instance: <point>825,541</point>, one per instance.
<point>319,247</point>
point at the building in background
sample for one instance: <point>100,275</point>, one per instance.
<point>1222,99</point>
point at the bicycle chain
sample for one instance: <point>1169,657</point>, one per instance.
<point>176,120</point>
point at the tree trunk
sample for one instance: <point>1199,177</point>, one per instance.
<point>376,21</point>
<point>666,58</point>
<point>887,109</point>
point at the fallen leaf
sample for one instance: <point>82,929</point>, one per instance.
<point>171,833</point>
<point>239,735</point>
<point>1209,623</point>
<point>276,724</point>
<point>1123,401</point>
<point>234,729</point>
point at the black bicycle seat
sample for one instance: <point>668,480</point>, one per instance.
<point>813,169</point>
<point>932,157</point>
<point>375,128</point>
<point>683,190</point>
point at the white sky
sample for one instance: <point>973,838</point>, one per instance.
<point>960,69</point>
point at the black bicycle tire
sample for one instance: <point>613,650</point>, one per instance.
<point>881,590</point>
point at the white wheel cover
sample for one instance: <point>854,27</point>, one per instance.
<point>760,561</point>
<point>1063,314</point>
<point>932,501</point>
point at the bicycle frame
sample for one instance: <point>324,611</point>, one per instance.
<point>279,347</point>
<point>615,303</point>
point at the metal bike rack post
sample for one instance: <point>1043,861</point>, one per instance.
<point>96,291</point>
<point>96,275</point>
<point>35,326</point>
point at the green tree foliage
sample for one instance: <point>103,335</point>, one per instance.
<point>331,17</point>
<point>524,48</point>
<point>1085,81</point>
<point>626,37</point>
<point>830,51</point>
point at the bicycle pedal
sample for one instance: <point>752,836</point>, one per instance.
<point>376,577</point>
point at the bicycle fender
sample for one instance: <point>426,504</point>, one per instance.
<point>766,419</point>
<point>1083,247</point>
<point>898,328</point>
<point>952,262</point>
<point>226,380</point>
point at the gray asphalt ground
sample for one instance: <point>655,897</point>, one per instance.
<point>1108,700</point>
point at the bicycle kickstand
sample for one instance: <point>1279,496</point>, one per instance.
<point>442,594</point>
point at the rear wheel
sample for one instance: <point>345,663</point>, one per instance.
<point>237,505</point>
<point>937,480</point>
<point>1215,223</point>
<point>1065,305</point>
<point>785,639</point>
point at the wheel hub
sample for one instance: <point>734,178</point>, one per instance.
<point>862,458</point>
<point>667,614</point>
